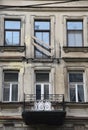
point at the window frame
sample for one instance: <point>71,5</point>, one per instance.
<point>42,84</point>
<point>76,86</point>
<point>10,85</point>
<point>12,30</point>
<point>52,38</point>
<point>85,33</point>
<point>73,30</point>
<point>42,31</point>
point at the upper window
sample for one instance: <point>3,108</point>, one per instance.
<point>76,86</point>
<point>10,86</point>
<point>12,32</point>
<point>42,32</point>
<point>75,33</point>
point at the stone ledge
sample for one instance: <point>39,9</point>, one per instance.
<point>12,48</point>
<point>75,49</point>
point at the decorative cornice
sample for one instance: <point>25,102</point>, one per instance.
<point>50,8</point>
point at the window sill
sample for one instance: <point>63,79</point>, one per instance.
<point>76,103</point>
<point>75,59</point>
<point>12,48</point>
<point>10,104</point>
<point>12,59</point>
<point>75,49</point>
<point>48,60</point>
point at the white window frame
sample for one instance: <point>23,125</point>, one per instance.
<point>76,84</point>
<point>10,88</point>
<point>10,92</point>
<point>42,89</point>
<point>43,83</point>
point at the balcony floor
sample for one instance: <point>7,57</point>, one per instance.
<point>55,117</point>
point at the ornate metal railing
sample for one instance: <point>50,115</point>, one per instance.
<point>52,98</point>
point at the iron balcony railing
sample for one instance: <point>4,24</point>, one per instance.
<point>52,98</point>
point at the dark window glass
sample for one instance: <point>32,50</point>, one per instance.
<point>14,92</point>
<point>10,77</point>
<point>38,92</point>
<point>10,86</point>
<point>72,94</point>
<point>75,77</point>
<point>46,91</point>
<point>6,92</point>
<point>80,93</point>
<point>42,77</point>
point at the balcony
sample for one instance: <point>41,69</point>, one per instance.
<point>50,109</point>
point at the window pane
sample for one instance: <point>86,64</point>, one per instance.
<point>10,77</point>
<point>8,127</point>
<point>42,77</point>
<point>74,25</point>
<point>75,38</point>
<point>16,36</point>
<point>38,53</point>
<point>42,25</point>
<point>39,36</point>
<point>75,33</point>
<point>6,92</point>
<point>46,38</point>
<point>12,24</point>
<point>75,77</point>
<point>14,92</point>
<point>8,38</point>
<point>38,92</point>
<point>12,38</point>
<point>43,36</point>
<point>72,93</point>
<point>46,91</point>
<point>42,32</point>
<point>12,32</point>
<point>80,93</point>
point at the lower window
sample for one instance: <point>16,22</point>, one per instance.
<point>76,86</point>
<point>43,88</point>
<point>10,86</point>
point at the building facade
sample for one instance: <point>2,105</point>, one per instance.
<point>44,65</point>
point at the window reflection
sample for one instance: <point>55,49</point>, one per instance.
<point>42,32</point>
<point>12,32</point>
<point>74,33</point>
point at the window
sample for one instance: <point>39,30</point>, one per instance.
<point>74,33</point>
<point>76,86</point>
<point>43,88</point>
<point>8,126</point>
<point>12,32</point>
<point>10,86</point>
<point>42,32</point>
